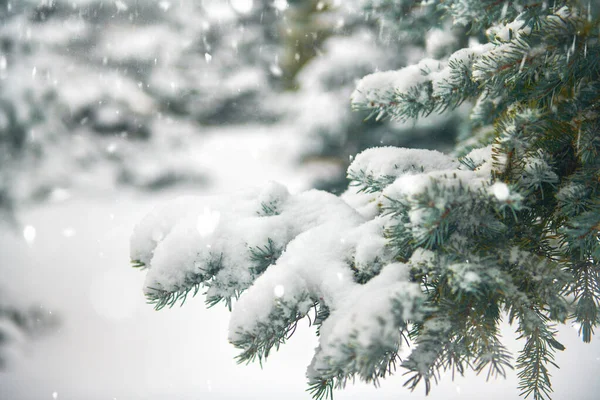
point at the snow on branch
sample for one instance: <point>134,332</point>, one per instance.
<point>423,246</point>
<point>477,71</point>
<point>283,255</point>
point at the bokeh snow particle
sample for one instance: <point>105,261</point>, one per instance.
<point>54,395</point>
<point>69,232</point>
<point>121,6</point>
<point>59,194</point>
<point>501,191</point>
<point>276,70</point>
<point>29,234</point>
<point>207,222</point>
<point>279,290</point>
<point>242,6</point>
<point>165,5</point>
<point>281,5</point>
<point>111,148</point>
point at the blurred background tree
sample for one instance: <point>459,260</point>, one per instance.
<point>100,94</point>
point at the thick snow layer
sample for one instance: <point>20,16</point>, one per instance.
<point>376,88</point>
<point>394,161</point>
<point>507,32</point>
<point>314,266</point>
<point>382,88</point>
<point>155,226</point>
<point>369,317</point>
<point>237,225</point>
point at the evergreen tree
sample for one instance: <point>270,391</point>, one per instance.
<point>424,246</point>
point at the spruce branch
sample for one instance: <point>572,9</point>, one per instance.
<point>192,283</point>
<point>507,225</point>
<point>369,183</point>
<point>536,356</point>
<point>322,389</point>
<point>257,344</point>
<point>264,256</point>
<point>586,290</point>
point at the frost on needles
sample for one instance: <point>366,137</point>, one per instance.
<point>423,247</point>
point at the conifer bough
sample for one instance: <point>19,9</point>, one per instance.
<point>425,247</point>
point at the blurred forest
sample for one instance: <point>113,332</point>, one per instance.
<point>98,94</point>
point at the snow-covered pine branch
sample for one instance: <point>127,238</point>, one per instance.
<point>431,247</point>
<point>330,253</point>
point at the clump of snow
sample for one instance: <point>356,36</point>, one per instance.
<point>395,161</point>
<point>422,256</point>
<point>313,266</point>
<point>156,226</point>
<point>464,58</point>
<point>392,163</point>
<point>571,191</point>
<point>464,276</point>
<point>509,31</point>
<point>370,317</point>
<point>378,87</point>
<point>192,236</point>
<point>483,161</point>
<point>273,196</point>
<point>372,243</point>
<point>481,155</point>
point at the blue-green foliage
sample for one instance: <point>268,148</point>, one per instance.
<point>434,248</point>
<point>535,86</point>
